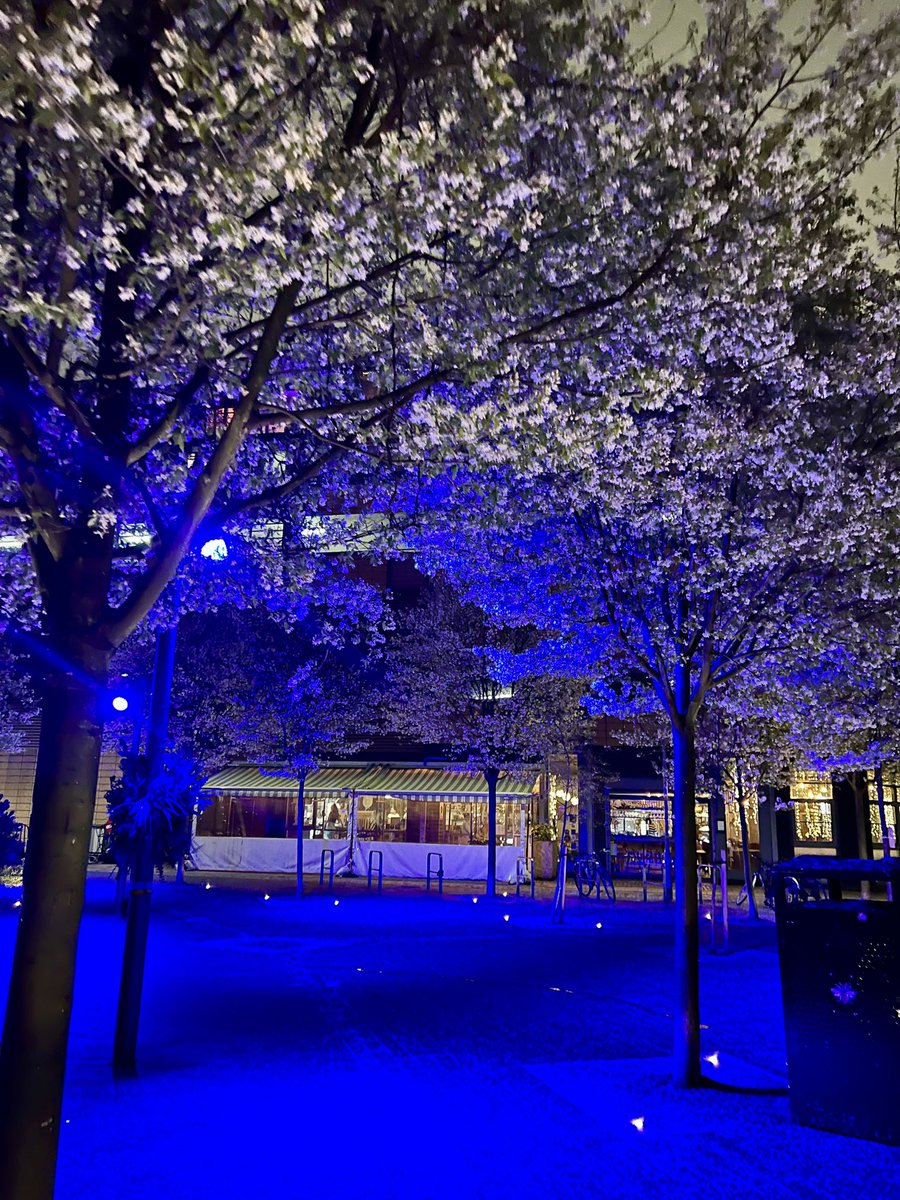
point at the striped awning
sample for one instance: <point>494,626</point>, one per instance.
<point>430,782</point>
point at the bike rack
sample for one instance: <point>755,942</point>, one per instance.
<point>330,852</point>
<point>372,854</point>
<point>703,871</point>
<point>524,871</point>
<point>439,874</point>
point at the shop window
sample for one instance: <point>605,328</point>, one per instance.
<point>812,821</point>
<point>383,818</point>
<point>245,816</point>
<point>890,813</point>
<point>640,816</point>
<point>378,819</point>
<point>811,802</point>
<point>435,822</point>
<point>325,817</point>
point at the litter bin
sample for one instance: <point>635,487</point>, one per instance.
<point>840,982</point>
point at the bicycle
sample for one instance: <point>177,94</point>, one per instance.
<point>591,873</point>
<point>795,892</point>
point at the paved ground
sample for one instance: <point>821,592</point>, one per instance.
<point>406,1046</point>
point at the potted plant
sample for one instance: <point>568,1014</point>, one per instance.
<point>545,849</point>
<point>11,844</point>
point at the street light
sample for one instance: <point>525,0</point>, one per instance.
<point>216,549</point>
<point>128,701</point>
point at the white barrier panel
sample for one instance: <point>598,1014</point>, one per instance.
<point>272,855</point>
<point>407,860</point>
<point>402,860</point>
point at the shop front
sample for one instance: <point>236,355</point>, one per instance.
<point>405,813</point>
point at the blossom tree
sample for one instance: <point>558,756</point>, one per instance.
<point>442,687</point>
<point>284,698</point>
<point>229,234</point>
<point>704,538</point>
<point>708,494</point>
<point>244,245</point>
<point>744,747</point>
<point>843,706</point>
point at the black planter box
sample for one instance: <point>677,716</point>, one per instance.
<point>840,982</point>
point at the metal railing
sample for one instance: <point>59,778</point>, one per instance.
<point>439,874</point>
<point>329,852</point>
<point>372,854</point>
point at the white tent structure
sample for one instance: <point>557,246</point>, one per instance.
<point>403,811</point>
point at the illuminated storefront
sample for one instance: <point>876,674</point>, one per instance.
<point>811,800</point>
<point>403,812</point>
<point>891,785</point>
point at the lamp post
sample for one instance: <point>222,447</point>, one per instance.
<point>132,981</point>
<point>121,703</point>
<point>137,929</point>
<point>131,697</point>
<point>491,775</point>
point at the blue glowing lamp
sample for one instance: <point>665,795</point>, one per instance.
<point>216,549</point>
<point>120,703</point>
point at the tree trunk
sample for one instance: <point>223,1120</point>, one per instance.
<point>745,849</point>
<point>491,775</point>
<point>686,1065</point>
<point>39,1005</point>
<point>301,789</point>
<point>122,889</point>
<point>882,817</point>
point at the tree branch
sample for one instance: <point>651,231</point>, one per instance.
<point>390,401</point>
<point>152,582</point>
<point>167,422</point>
<point>604,302</point>
<point>277,492</point>
<point>53,389</point>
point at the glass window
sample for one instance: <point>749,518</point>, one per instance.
<point>890,813</point>
<point>638,816</point>
<point>382,818</point>
<point>326,816</point>
<point>812,820</point>
<point>245,816</point>
<point>378,819</point>
<point>811,802</point>
<point>435,822</point>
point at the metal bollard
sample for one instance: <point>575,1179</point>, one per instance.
<point>724,873</point>
<point>439,874</point>
<point>330,852</point>
<point>643,880</point>
<point>713,907</point>
<point>372,854</point>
